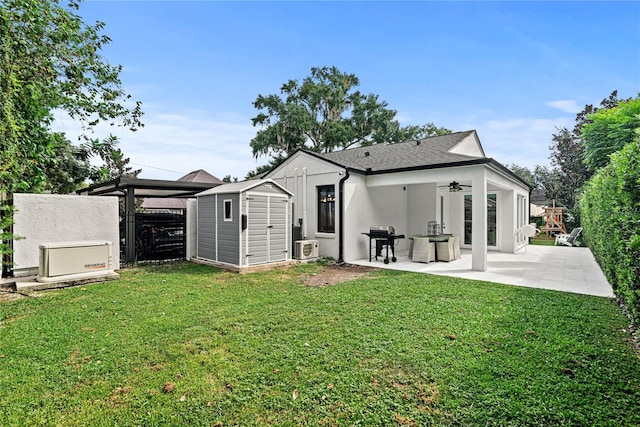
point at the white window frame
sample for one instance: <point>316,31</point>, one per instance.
<point>224,210</point>
<point>498,195</point>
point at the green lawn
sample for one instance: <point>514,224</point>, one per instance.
<point>191,345</point>
<point>543,240</point>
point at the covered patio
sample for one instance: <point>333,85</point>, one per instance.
<point>545,267</point>
<point>480,203</point>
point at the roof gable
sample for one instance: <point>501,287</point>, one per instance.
<point>469,146</point>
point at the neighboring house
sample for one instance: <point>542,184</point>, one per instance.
<point>175,204</point>
<point>447,179</point>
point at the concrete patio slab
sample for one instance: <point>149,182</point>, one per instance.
<point>558,268</point>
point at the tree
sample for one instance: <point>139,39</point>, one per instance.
<point>568,154</point>
<point>524,173</point>
<point>228,179</point>
<point>67,168</point>
<point>50,59</point>
<point>324,113</point>
<point>115,164</point>
<point>608,131</point>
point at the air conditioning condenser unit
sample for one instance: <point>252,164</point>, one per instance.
<point>69,261</point>
<point>307,249</point>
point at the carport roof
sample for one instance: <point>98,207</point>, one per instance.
<point>147,188</point>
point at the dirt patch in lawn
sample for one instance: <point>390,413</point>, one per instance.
<point>8,295</point>
<point>332,274</point>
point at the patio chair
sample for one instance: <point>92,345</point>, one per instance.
<point>423,250</point>
<point>445,250</point>
<point>569,239</point>
<point>456,247</point>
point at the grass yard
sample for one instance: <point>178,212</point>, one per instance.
<point>543,240</point>
<point>192,345</point>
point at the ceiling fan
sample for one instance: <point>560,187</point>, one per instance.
<point>454,186</point>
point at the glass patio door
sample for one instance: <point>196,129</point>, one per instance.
<point>492,219</point>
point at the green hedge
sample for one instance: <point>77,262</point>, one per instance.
<point>610,210</point>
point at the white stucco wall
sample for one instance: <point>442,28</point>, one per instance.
<point>422,207</point>
<point>49,218</point>
<point>192,228</point>
<point>359,215</point>
<point>293,174</point>
<point>390,208</point>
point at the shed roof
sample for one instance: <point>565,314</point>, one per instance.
<point>242,186</point>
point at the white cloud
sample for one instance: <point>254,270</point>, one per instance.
<point>173,144</point>
<point>524,141</point>
<point>566,105</point>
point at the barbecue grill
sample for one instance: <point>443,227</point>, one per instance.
<point>384,236</point>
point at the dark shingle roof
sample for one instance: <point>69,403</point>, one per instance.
<point>200,175</point>
<point>403,155</point>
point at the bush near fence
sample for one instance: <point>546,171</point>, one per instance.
<point>610,208</point>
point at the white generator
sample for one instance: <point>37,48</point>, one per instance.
<point>68,261</point>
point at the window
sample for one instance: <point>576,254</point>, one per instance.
<point>227,210</point>
<point>521,217</point>
<point>326,209</point>
<point>492,219</point>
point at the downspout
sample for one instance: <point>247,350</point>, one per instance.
<point>304,203</point>
<point>341,218</point>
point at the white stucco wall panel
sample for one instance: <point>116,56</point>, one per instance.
<point>301,174</point>
<point>390,208</point>
<point>50,218</point>
<point>359,215</point>
<point>192,228</point>
<point>422,207</point>
<point>470,146</point>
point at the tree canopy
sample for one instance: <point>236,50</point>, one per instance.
<point>50,60</point>
<point>608,131</point>
<point>568,155</point>
<point>325,112</point>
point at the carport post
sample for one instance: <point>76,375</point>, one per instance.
<point>130,225</point>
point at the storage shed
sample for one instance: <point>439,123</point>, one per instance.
<point>244,224</point>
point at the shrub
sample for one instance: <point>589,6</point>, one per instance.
<point>610,208</point>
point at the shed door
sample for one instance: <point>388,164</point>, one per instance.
<point>266,237</point>
<point>277,233</point>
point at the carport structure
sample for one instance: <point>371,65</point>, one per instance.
<point>130,188</point>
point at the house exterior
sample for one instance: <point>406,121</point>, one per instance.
<point>447,179</point>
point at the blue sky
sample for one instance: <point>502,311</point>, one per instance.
<point>514,71</point>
